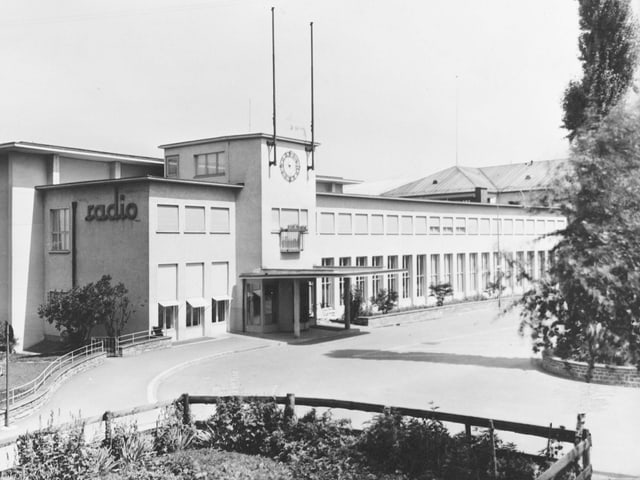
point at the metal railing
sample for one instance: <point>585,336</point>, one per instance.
<point>114,345</point>
<point>54,371</point>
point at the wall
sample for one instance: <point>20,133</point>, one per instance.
<point>603,374</point>
<point>5,232</point>
<point>26,245</point>
<point>118,248</point>
<point>77,170</point>
<point>135,170</point>
<point>181,248</point>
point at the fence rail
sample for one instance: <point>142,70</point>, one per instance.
<point>54,371</point>
<point>579,455</point>
<point>114,345</point>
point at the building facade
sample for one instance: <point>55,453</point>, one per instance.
<point>239,234</point>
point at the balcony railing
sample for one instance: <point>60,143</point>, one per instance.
<point>292,239</point>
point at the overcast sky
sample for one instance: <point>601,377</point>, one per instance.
<point>128,75</point>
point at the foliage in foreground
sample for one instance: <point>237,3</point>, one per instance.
<point>251,439</point>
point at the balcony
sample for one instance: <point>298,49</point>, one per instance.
<point>292,239</point>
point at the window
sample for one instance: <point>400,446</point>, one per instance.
<point>421,266</point>
<point>461,226</point>
<point>194,219</point>
<point>167,315</point>
<point>361,224</point>
<point>344,224</point>
<point>531,260</point>
<point>485,272</point>
<point>286,217</point>
<point>435,269</point>
<point>519,227</point>
<point>167,294</point>
<point>392,279</point>
<point>551,226</point>
<point>421,225</point>
<point>326,286</point>
<point>376,281</point>
<point>168,218</point>
<point>275,219</point>
<point>434,225</point>
<point>530,227</point>
<point>219,309</point>
<point>497,266</point>
<point>171,166</point>
<point>392,224</point>
<point>540,227</point>
<point>219,220</point>
<point>542,264</point>
<point>59,229</point>
<point>447,225</point>
<point>343,262</point>
<point>484,226</point>
<point>495,226</point>
<point>473,271</point>
<point>460,272</point>
<point>472,226</point>
<point>520,267</point>
<point>289,216</point>
<point>507,225</point>
<point>361,281</point>
<point>195,313</point>
<point>210,164</point>
<point>406,275</point>
<point>377,224</point>
<point>448,267</point>
<point>327,223</point>
<point>406,225</point>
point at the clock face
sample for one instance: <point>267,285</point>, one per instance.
<point>289,166</point>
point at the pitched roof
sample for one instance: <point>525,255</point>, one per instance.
<point>514,177</point>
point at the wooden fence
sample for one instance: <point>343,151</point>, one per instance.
<point>579,455</point>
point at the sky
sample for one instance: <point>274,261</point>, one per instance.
<point>402,89</point>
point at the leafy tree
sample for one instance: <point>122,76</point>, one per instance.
<point>608,52</point>
<point>357,303</point>
<point>78,311</point>
<point>3,337</point>
<point>589,306</point>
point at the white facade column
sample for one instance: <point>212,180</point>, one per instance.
<point>296,308</point>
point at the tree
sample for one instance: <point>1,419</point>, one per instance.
<point>589,307</point>
<point>609,53</point>
<point>441,291</point>
<point>78,311</point>
<point>385,300</point>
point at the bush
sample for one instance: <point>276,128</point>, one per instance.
<point>441,291</point>
<point>385,300</point>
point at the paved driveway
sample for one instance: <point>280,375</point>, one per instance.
<point>471,362</point>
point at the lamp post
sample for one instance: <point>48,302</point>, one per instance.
<point>6,373</point>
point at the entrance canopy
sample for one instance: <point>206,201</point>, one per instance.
<point>318,272</point>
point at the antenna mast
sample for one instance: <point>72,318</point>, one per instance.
<point>312,148</point>
<point>273,68</point>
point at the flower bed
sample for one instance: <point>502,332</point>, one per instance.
<point>603,374</point>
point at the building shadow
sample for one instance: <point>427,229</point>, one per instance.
<point>438,357</point>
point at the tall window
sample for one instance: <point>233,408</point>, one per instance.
<point>520,266</point>
<point>460,272</point>
<point>59,229</point>
<point>171,166</point>
<point>421,267</point>
<point>194,288</point>
<point>542,264</point>
<point>473,271</point>
<point>361,281</point>
<point>434,225</point>
<point>167,293</point>
<point>392,279</point>
<point>406,276</point>
<point>486,272</point>
<point>219,309</point>
<point>326,284</point>
<point>167,315</point>
<point>344,262</point>
<point>195,314</point>
<point>531,260</point>
<point>435,269</point>
<point>376,281</point>
<point>497,267</point>
<point>210,164</point>
<point>447,225</point>
<point>448,267</point>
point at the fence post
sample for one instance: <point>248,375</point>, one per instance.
<point>586,455</point>
<point>467,431</point>
<point>186,409</point>
<point>290,408</point>
<point>494,460</point>
<point>107,427</point>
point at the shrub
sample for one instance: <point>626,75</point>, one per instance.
<point>385,300</point>
<point>441,291</point>
<point>171,434</point>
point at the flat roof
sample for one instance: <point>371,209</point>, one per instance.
<point>335,179</point>
<point>228,138</point>
<point>315,272</point>
<point>78,152</point>
<point>146,178</point>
